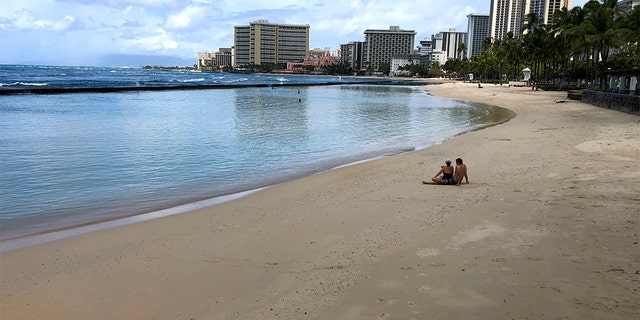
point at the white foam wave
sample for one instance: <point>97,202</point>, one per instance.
<point>192,80</point>
<point>34,84</point>
<point>236,80</point>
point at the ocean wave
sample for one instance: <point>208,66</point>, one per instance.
<point>34,84</point>
<point>192,80</point>
<point>236,80</point>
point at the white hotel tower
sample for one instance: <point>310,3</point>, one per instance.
<point>509,15</point>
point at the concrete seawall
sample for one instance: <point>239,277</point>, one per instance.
<point>59,90</point>
<point>615,101</point>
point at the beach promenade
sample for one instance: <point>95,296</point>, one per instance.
<point>548,228</point>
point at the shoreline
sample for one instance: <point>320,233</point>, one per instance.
<point>547,228</point>
<point>495,116</point>
<point>112,89</point>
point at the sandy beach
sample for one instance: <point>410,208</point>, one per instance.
<point>547,228</point>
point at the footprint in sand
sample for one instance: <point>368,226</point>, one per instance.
<point>428,252</point>
<point>477,233</point>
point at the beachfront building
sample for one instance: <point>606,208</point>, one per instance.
<point>628,4</point>
<point>506,16</point>
<point>318,52</point>
<point>312,63</point>
<point>443,46</point>
<point>429,54</point>
<point>425,47</point>
<point>214,61</point>
<point>402,60</point>
<point>544,9</point>
<point>509,15</point>
<point>381,45</point>
<point>224,57</point>
<point>264,43</point>
<point>477,31</point>
<point>450,42</point>
<point>352,54</point>
<point>206,61</point>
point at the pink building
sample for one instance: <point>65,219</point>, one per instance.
<point>311,64</point>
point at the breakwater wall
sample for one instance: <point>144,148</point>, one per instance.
<point>615,101</point>
<point>57,90</point>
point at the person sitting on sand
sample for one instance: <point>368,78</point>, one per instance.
<point>460,172</point>
<point>444,176</point>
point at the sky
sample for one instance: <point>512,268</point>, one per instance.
<point>171,32</point>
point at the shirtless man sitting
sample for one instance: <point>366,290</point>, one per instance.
<point>460,172</point>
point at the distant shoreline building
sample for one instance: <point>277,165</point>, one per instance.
<point>545,8</point>
<point>628,4</point>
<point>262,43</point>
<point>509,15</point>
<point>214,61</point>
<point>402,60</point>
<point>352,54</point>
<point>450,43</point>
<point>506,16</point>
<point>314,63</point>
<point>477,30</point>
<point>443,46</point>
<point>426,50</point>
<point>381,45</point>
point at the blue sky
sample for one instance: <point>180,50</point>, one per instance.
<point>105,32</point>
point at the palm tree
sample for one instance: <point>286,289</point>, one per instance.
<point>535,44</point>
<point>627,56</point>
<point>512,48</point>
<point>562,28</point>
<point>579,47</point>
<point>486,44</point>
<point>633,25</point>
<point>603,31</point>
<point>462,51</point>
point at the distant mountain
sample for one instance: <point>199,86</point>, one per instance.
<point>135,61</point>
<point>116,60</point>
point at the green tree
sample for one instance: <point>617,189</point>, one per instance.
<point>462,51</point>
<point>627,56</point>
<point>385,68</point>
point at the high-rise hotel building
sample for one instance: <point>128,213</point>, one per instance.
<point>477,31</point>
<point>509,15</point>
<point>449,42</point>
<point>628,4</point>
<point>352,54</point>
<point>545,8</point>
<point>263,43</point>
<point>506,16</point>
<point>381,45</point>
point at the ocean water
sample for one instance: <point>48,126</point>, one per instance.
<point>42,77</point>
<point>71,159</point>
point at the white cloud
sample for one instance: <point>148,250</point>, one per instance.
<point>129,3</point>
<point>190,18</point>
<point>26,20</point>
<point>37,28</point>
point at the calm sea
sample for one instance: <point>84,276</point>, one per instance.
<point>70,159</point>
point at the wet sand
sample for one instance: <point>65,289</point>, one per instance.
<point>548,228</point>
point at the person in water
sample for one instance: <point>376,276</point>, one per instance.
<point>460,172</point>
<point>444,176</point>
